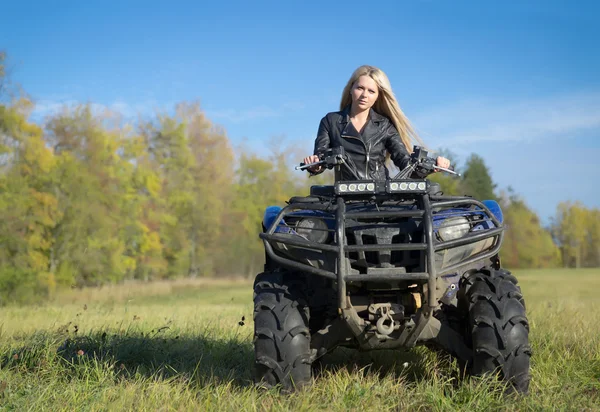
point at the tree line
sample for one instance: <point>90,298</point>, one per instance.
<point>87,198</point>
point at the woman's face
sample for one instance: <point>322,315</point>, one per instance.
<point>364,93</point>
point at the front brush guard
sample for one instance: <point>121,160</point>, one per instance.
<point>426,203</point>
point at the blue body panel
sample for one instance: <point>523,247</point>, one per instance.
<point>495,209</point>
<point>271,213</point>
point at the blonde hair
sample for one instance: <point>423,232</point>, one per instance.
<point>386,104</point>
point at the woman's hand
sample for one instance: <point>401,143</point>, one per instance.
<point>313,159</point>
<point>442,162</point>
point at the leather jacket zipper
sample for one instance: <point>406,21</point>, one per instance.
<point>367,165</point>
<point>366,150</point>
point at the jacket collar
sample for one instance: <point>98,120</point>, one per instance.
<point>373,116</point>
<point>344,115</point>
<point>376,117</point>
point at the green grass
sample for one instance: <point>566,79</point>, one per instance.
<point>181,347</point>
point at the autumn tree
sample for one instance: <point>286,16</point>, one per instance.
<point>91,184</point>
<point>477,180</point>
<point>142,212</point>
<point>212,179</point>
<point>526,243</point>
<point>28,209</point>
<point>577,232</point>
<point>593,241</point>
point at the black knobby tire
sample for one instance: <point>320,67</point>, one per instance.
<point>281,332</point>
<point>498,330</point>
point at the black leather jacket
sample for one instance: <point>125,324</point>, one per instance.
<point>367,152</point>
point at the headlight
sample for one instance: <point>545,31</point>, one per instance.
<point>313,229</point>
<point>410,186</point>
<point>454,228</point>
<point>355,188</point>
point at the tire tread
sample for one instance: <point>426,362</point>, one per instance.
<point>498,326</point>
<point>281,333</point>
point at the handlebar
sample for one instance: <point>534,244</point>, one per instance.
<point>304,166</point>
<point>420,163</point>
<point>451,171</point>
<point>331,158</point>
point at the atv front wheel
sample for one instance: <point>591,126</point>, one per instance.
<point>281,332</point>
<point>498,330</point>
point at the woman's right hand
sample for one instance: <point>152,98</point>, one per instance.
<point>313,159</point>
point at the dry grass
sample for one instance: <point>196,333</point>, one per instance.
<point>137,289</point>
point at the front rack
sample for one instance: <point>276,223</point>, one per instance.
<point>425,207</point>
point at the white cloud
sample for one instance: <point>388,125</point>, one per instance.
<point>51,106</point>
<point>254,113</point>
<point>54,104</point>
<point>483,120</point>
<point>45,108</point>
<point>238,116</point>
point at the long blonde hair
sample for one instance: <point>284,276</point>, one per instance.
<point>386,104</point>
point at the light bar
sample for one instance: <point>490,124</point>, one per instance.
<point>358,187</point>
<point>404,186</point>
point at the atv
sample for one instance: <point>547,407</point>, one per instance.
<point>387,264</point>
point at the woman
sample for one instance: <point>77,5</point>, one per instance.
<point>369,124</point>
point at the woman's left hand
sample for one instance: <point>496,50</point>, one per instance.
<point>442,162</point>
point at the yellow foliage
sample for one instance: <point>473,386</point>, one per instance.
<point>151,244</point>
<point>46,210</point>
<point>129,264</point>
<point>153,184</point>
<point>37,260</point>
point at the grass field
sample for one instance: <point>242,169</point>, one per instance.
<point>183,346</point>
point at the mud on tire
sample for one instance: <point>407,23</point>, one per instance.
<point>497,329</point>
<point>281,332</point>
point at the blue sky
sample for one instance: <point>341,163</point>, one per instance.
<point>516,82</point>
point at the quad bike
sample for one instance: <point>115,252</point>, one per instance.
<point>386,265</point>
